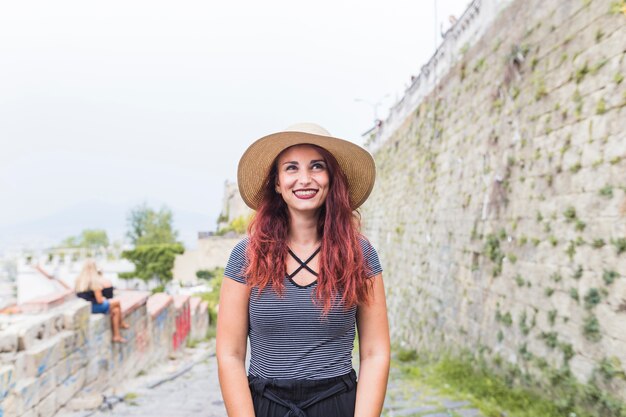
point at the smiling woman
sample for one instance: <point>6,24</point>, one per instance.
<point>302,282</point>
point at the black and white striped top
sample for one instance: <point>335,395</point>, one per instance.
<point>288,336</point>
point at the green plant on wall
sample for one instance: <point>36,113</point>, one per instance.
<point>568,351</point>
<point>592,298</point>
<point>571,249</point>
<point>552,317</point>
<point>493,252</point>
<point>591,328</point>
<point>523,324</point>
<point>620,245</point>
<point>606,191</point>
<point>609,276</point>
<point>598,243</point>
<point>610,368</point>
<point>578,272</point>
<point>551,339</point>
<point>581,72</point>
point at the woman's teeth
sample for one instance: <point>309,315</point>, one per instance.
<point>305,193</point>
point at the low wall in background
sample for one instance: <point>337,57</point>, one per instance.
<point>59,354</point>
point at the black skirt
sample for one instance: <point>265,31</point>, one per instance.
<point>330,397</point>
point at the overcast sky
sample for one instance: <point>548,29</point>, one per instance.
<point>129,101</point>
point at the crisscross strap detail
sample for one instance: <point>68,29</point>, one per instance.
<point>303,264</point>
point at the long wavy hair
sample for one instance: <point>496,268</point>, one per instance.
<point>342,268</point>
<point>89,279</point>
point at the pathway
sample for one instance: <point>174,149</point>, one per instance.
<point>196,393</point>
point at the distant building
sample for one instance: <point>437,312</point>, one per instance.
<point>233,205</point>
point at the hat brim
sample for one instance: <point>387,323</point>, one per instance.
<point>255,164</point>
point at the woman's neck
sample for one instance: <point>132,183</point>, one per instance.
<point>303,230</point>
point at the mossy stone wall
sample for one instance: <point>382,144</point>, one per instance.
<point>499,210</point>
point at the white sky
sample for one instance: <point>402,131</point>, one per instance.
<point>126,101</point>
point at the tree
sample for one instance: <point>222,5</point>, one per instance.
<point>94,238</point>
<point>88,239</point>
<point>153,261</point>
<point>150,227</point>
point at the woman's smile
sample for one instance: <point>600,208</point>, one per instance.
<point>305,194</point>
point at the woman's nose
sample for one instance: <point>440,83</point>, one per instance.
<point>305,177</point>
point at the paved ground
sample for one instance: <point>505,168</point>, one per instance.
<point>195,392</point>
<point>405,399</point>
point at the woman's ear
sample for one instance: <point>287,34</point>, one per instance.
<point>277,188</point>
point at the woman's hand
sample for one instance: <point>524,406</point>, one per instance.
<point>231,345</point>
<point>374,352</point>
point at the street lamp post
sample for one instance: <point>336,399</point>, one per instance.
<point>374,106</point>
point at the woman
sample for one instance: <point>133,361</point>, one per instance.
<point>89,286</point>
<point>308,277</point>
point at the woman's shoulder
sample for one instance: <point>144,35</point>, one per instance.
<point>237,261</point>
<point>239,250</point>
<point>371,256</point>
<point>366,245</point>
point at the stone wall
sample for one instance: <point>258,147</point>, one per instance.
<point>500,205</point>
<point>61,355</point>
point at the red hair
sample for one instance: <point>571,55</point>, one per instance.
<point>342,267</point>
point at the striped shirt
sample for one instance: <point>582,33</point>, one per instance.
<point>289,338</point>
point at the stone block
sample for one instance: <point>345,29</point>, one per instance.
<point>70,386</point>
<point>7,381</point>
<point>76,314</point>
<point>132,300</point>
<point>9,340</point>
<point>42,357</point>
<point>31,332</point>
<point>157,303</point>
<point>8,406</point>
<point>46,383</point>
<point>58,322</point>
<point>97,369</point>
<point>67,343</point>
<point>70,365</point>
<point>30,413</point>
<point>26,395</point>
<point>85,401</point>
<point>613,324</point>
<point>582,367</point>
<point>17,361</point>
<point>48,406</point>
<point>98,323</point>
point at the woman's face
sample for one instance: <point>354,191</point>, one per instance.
<point>303,179</point>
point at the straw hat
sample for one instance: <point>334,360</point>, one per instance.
<point>255,164</point>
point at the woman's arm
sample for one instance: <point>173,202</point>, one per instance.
<point>374,352</point>
<point>98,295</point>
<point>232,337</point>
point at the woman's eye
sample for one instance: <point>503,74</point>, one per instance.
<point>318,166</point>
<point>290,167</point>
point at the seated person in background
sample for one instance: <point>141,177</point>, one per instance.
<point>89,287</point>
